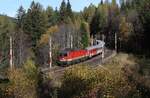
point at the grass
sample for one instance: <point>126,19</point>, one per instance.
<point>116,64</point>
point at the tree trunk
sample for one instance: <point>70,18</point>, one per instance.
<point>50,52</point>
<point>11,54</point>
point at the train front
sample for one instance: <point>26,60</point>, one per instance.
<point>62,58</point>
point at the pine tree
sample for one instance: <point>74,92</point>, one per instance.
<point>49,14</point>
<point>35,23</point>
<point>88,13</point>
<point>63,11</point>
<point>69,10</point>
<point>94,24</point>
<point>19,48</point>
<point>20,17</point>
<point>101,2</point>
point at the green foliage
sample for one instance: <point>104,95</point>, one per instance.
<point>79,80</point>
<point>45,37</point>
<point>85,35</point>
<point>99,21</point>
<point>117,86</point>
<point>88,13</point>
<point>63,10</point>
<point>69,10</point>
<point>49,14</point>
<point>35,23</point>
<point>126,29</point>
<point>94,25</point>
<point>84,82</point>
<point>140,24</point>
<point>52,16</point>
<point>7,26</point>
<point>66,12</point>
<point>134,70</point>
<point>30,69</point>
<point>22,82</point>
<point>20,17</point>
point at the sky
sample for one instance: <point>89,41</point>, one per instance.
<point>10,7</point>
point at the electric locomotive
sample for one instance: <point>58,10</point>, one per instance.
<point>70,56</point>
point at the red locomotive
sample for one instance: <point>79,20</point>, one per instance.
<point>69,56</point>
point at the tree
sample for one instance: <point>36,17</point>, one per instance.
<point>20,49</point>
<point>35,23</point>
<point>50,14</point>
<point>88,13</point>
<point>20,17</point>
<point>144,15</point>
<point>45,47</point>
<point>101,1</point>
<point>85,35</point>
<point>63,11</point>
<point>95,23</point>
<point>99,21</point>
<point>69,10</point>
<point>138,10</point>
<point>23,82</point>
<point>125,29</point>
<point>7,28</point>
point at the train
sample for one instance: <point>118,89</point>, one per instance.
<point>72,56</point>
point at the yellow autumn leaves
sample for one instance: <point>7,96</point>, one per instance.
<point>45,37</point>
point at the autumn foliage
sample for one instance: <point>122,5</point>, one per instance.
<point>84,82</point>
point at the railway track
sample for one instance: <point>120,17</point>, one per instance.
<point>94,62</point>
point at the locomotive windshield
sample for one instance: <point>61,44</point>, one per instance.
<point>63,54</point>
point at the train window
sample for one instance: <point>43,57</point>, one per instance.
<point>97,43</point>
<point>63,54</point>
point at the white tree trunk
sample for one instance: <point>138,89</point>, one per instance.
<point>103,54</point>
<point>71,42</point>
<point>116,42</point>
<point>92,40</point>
<point>11,53</point>
<point>50,52</point>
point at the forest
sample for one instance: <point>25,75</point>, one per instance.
<point>127,22</point>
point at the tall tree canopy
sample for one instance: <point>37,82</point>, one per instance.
<point>63,11</point>
<point>35,22</point>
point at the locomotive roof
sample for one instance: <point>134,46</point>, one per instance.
<point>67,50</point>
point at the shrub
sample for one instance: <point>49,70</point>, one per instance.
<point>86,82</point>
<point>47,88</point>
<point>79,80</point>
<point>22,82</point>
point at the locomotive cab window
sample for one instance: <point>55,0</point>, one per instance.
<point>63,54</point>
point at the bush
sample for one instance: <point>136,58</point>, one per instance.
<point>47,88</point>
<point>79,80</point>
<point>22,82</point>
<point>85,82</point>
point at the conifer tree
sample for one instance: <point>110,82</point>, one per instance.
<point>63,11</point>
<point>20,17</point>
<point>35,22</point>
<point>101,2</point>
<point>94,24</point>
<point>69,10</point>
<point>49,14</point>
